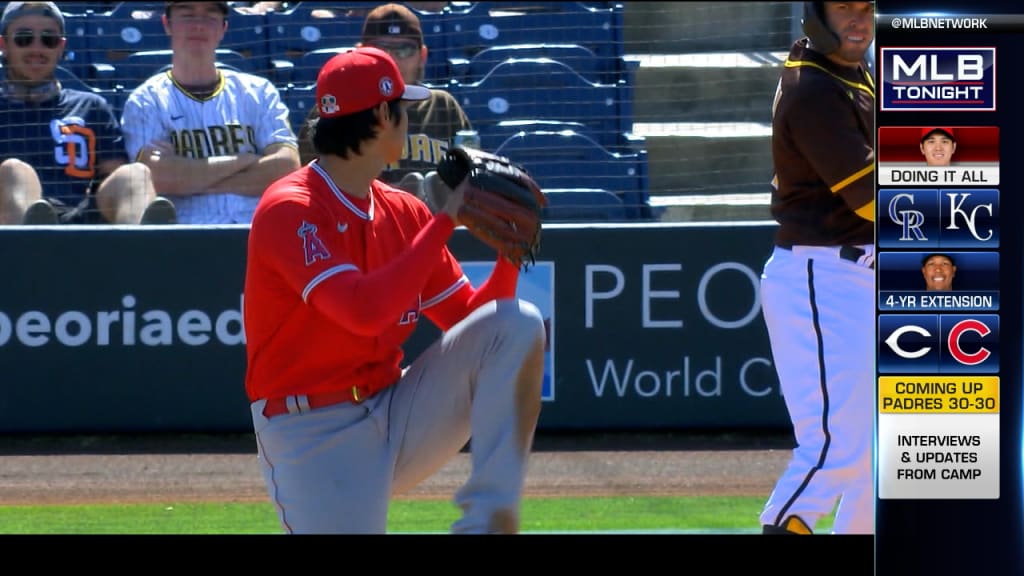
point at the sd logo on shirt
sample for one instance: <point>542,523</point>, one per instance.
<point>938,344</point>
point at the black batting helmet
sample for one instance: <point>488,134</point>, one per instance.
<point>823,39</point>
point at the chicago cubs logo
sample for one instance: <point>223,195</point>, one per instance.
<point>312,247</point>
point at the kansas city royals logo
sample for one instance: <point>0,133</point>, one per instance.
<point>312,247</point>
<point>930,79</point>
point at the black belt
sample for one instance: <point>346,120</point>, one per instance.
<point>853,254</point>
<point>850,253</point>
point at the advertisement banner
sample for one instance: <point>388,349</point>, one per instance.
<point>120,329</point>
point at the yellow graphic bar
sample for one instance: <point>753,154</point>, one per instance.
<point>938,394</point>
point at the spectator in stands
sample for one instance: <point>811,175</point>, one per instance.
<point>62,154</point>
<point>213,138</point>
<point>433,123</point>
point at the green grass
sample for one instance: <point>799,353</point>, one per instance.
<point>543,515</point>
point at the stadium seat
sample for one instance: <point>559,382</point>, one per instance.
<point>77,54</point>
<point>137,67</point>
<point>544,89</point>
<point>299,100</point>
<point>579,58</point>
<point>568,159</point>
<point>308,67</point>
<point>248,34</point>
<point>494,136</point>
<point>129,27</point>
<point>297,31</point>
<point>487,24</point>
<point>583,204</point>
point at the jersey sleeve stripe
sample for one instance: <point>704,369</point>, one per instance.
<point>440,297</point>
<point>853,178</point>
<point>324,276</point>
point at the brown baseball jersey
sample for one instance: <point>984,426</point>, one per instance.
<point>823,126</point>
<point>432,126</point>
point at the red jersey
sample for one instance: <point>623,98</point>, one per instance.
<point>306,234</point>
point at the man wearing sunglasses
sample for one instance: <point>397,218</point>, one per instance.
<point>62,158</point>
<point>433,122</point>
<point>213,138</point>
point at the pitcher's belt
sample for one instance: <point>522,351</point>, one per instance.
<point>305,402</point>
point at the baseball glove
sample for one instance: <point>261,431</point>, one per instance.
<point>501,203</point>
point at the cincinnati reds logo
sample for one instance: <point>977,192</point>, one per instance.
<point>387,87</point>
<point>893,341</point>
<point>312,247</point>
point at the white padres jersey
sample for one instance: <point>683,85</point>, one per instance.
<point>244,114</point>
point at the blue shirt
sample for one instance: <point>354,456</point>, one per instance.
<point>64,139</point>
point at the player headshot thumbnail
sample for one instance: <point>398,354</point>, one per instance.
<point>938,271</point>
<point>946,155</point>
<point>938,144</point>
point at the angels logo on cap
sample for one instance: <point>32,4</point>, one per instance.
<point>361,79</point>
<point>329,104</point>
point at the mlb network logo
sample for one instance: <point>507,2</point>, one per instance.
<point>938,344</point>
<point>938,79</point>
<point>934,218</point>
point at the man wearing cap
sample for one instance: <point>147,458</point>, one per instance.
<point>341,267</point>
<point>433,122</point>
<point>213,138</point>
<point>62,159</point>
<point>938,271</point>
<point>938,145</point>
<point>818,286</point>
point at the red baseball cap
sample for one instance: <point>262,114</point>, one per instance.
<point>361,79</point>
<point>925,132</point>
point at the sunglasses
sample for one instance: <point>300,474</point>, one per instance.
<point>399,50</point>
<point>23,38</point>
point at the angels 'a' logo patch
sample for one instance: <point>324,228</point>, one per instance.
<point>313,247</point>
